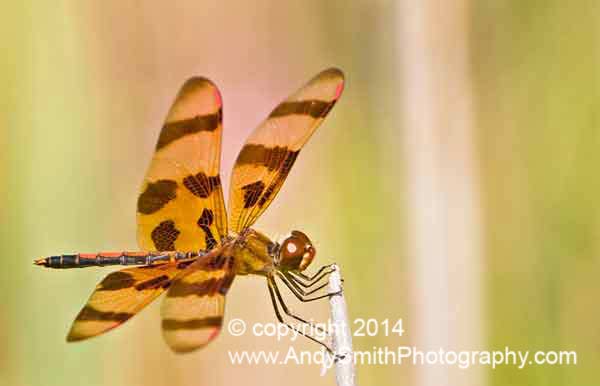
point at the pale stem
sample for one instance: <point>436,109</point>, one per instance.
<point>342,336</point>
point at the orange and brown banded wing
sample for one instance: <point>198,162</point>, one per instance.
<point>181,206</point>
<point>119,296</point>
<point>269,153</point>
<point>192,311</point>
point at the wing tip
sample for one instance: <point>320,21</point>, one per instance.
<point>77,336</point>
<point>197,83</point>
<point>185,349</point>
<point>334,72</point>
<point>183,346</point>
<point>73,336</point>
<point>336,75</point>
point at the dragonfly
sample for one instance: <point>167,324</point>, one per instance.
<point>189,247</point>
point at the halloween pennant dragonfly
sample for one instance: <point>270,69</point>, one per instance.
<point>190,248</point>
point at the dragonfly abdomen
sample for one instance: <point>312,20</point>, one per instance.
<point>83,260</point>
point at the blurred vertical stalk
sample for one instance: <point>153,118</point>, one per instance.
<point>342,336</point>
<point>445,240</point>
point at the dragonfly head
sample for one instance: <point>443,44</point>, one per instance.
<point>296,252</point>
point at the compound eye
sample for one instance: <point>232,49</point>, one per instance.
<point>309,252</point>
<point>292,248</point>
<point>296,252</point>
<point>307,257</point>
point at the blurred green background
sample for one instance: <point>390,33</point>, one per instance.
<point>455,182</point>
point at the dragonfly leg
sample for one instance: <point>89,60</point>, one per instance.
<point>310,279</point>
<point>301,281</point>
<point>290,313</point>
<point>293,281</point>
<point>276,299</point>
<point>302,295</point>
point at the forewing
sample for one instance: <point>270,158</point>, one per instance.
<point>192,311</point>
<point>269,153</point>
<point>119,296</point>
<point>181,206</point>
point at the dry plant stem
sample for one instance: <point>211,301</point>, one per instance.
<point>342,337</point>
